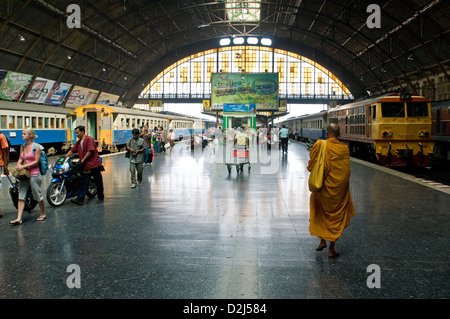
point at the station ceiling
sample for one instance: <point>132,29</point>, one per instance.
<point>122,45</point>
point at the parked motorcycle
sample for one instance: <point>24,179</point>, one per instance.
<point>66,182</point>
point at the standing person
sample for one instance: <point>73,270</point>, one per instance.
<point>284,138</point>
<point>136,145</point>
<point>163,135</point>
<point>331,207</point>
<point>28,159</point>
<point>148,152</point>
<point>157,138</point>
<point>172,138</point>
<point>4,158</point>
<point>92,165</point>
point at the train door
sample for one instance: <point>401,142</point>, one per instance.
<point>93,125</point>
<point>368,112</point>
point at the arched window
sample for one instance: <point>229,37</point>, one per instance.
<point>299,77</point>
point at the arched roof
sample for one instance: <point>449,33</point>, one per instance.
<point>121,44</point>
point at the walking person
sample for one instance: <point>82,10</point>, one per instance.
<point>148,152</point>
<point>284,138</point>
<point>172,138</point>
<point>30,160</point>
<point>136,146</point>
<point>4,158</point>
<point>331,208</point>
<point>91,163</point>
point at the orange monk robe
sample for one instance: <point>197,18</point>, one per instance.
<point>331,207</point>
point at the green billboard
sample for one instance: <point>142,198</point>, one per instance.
<point>258,90</point>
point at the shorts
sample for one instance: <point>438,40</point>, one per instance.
<point>35,184</point>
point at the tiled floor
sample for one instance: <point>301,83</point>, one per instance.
<point>193,231</point>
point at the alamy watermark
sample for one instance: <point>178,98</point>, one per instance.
<point>74,280</point>
<point>74,18</point>
<point>374,279</point>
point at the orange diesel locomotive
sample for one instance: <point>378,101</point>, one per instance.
<point>393,128</point>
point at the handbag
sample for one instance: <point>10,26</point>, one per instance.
<point>22,175</point>
<point>315,181</point>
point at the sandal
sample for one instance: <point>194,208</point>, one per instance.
<point>41,218</point>
<point>15,222</point>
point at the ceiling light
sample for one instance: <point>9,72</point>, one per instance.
<point>103,69</point>
<point>239,40</point>
<point>69,57</point>
<point>225,41</point>
<point>266,41</point>
<point>21,38</point>
<point>252,40</point>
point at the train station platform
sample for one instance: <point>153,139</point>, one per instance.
<point>192,231</point>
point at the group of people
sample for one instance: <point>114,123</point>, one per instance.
<point>331,207</point>
<point>29,160</point>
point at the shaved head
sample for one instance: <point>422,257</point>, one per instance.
<point>333,130</point>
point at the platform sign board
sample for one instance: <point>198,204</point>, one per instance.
<point>14,86</point>
<point>238,108</point>
<point>259,89</point>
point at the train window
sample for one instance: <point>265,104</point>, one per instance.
<point>52,122</point>
<point>417,109</point>
<point>374,112</point>
<point>392,109</point>
<point>20,122</point>
<point>33,122</point>
<point>46,122</point>
<point>3,122</point>
<point>40,122</point>
<point>27,122</point>
<point>63,123</point>
<point>57,122</point>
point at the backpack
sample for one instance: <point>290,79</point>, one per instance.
<point>43,163</point>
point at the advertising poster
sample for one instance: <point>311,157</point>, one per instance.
<point>81,96</point>
<point>254,89</point>
<point>14,86</point>
<point>57,93</point>
<point>48,92</point>
<point>107,99</point>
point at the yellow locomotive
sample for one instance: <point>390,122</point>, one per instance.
<point>394,128</point>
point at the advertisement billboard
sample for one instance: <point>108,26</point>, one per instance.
<point>48,92</point>
<point>81,96</point>
<point>250,90</point>
<point>14,86</point>
<point>107,99</point>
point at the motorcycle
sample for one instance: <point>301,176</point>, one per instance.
<point>66,182</point>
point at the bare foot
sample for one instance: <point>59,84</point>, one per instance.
<point>321,247</point>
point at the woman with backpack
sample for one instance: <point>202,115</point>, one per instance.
<point>29,159</point>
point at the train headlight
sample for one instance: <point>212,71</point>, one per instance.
<point>387,134</point>
<point>424,134</point>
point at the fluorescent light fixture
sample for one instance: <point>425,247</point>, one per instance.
<point>239,40</point>
<point>225,41</point>
<point>266,41</point>
<point>252,40</point>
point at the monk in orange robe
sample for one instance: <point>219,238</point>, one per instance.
<point>331,207</point>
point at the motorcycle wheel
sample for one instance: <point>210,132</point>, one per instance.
<point>92,191</point>
<point>52,194</point>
